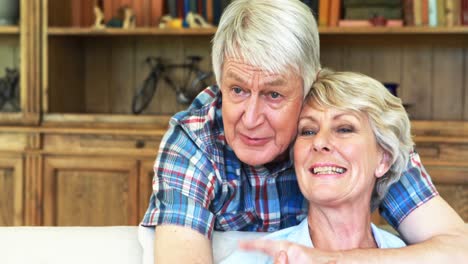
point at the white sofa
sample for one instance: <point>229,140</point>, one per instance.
<point>92,245</point>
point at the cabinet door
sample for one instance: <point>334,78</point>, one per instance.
<point>146,185</point>
<point>11,191</point>
<point>90,191</point>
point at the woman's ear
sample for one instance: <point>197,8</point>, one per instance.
<point>384,164</point>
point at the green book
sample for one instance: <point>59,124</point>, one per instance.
<point>360,13</point>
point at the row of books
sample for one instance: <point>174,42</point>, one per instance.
<point>147,12</point>
<point>436,12</point>
<point>328,12</point>
<point>332,13</point>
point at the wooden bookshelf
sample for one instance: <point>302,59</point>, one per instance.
<point>394,30</point>
<point>7,30</point>
<point>58,31</point>
<point>67,31</point>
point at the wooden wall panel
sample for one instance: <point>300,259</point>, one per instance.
<point>122,75</point>
<point>358,57</point>
<point>447,84</point>
<point>331,56</point>
<point>65,93</point>
<point>416,86</point>
<point>386,63</point>
<point>97,78</point>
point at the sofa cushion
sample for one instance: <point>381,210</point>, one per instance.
<point>58,245</point>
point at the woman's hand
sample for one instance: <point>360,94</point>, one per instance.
<point>286,252</point>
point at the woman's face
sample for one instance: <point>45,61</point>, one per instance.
<point>260,111</point>
<point>336,156</point>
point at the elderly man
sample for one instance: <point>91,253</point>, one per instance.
<point>224,162</point>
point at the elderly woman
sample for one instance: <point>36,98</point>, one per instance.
<point>353,143</point>
<point>223,164</point>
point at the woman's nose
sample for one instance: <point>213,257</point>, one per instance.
<point>321,142</point>
<point>253,115</point>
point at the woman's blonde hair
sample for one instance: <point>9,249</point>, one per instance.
<point>389,121</point>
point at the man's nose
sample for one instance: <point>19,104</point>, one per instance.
<point>254,113</point>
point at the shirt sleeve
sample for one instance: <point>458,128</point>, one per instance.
<point>183,185</point>
<point>412,190</point>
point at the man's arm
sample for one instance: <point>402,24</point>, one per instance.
<point>177,244</point>
<point>439,233</point>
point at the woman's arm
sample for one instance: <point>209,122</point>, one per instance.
<point>437,233</point>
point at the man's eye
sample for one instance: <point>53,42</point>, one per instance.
<point>237,90</point>
<point>275,95</point>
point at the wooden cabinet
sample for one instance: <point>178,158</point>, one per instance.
<point>20,48</point>
<point>11,190</point>
<point>74,154</point>
<point>89,191</point>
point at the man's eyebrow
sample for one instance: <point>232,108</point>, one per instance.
<point>276,82</point>
<point>235,76</point>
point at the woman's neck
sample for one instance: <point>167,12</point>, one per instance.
<point>340,228</point>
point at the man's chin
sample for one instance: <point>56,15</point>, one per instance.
<point>255,158</point>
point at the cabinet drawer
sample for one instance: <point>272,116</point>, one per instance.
<point>443,153</point>
<point>13,141</point>
<point>108,144</point>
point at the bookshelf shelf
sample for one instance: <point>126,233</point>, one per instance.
<point>394,30</point>
<point>7,30</point>
<point>77,31</point>
<point>67,31</point>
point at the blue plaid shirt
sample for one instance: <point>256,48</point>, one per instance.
<point>200,183</point>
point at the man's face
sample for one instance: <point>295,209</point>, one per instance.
<point>260,111</point>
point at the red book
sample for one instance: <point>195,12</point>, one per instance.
<point>324,12</point>
<point>408,12</point>
<point>76,13</point>
<point>156,12</point>
<point>180,9</point>
<point>464,12</point>
<point>334,17</point>
<point>138,10</point>
<point>87,13</point>
<point>200,7</point>
<point>209,11</point>
<point>108,10</point>
<point>424,12</point>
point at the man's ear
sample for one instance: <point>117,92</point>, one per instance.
<point>384,164</point>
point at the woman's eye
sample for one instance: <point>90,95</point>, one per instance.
<point>345,129</point>
<point>307,132</point>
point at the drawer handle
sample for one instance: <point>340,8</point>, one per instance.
<point>140,144</point>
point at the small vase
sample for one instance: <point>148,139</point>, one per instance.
<point>9,12</point>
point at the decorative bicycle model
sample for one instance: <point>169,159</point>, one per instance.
<point>195,80</point>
